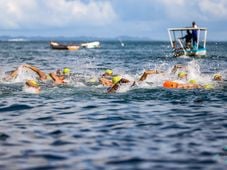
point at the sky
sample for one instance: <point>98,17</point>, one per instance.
<point>111,18</point>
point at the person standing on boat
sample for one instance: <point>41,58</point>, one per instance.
<point>194,33</point>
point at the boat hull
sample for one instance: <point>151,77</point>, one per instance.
<point>190,53</point>
<point>57,46</point>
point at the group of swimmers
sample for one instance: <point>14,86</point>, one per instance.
<point>182,79</point>
<point>33,85</point>
<point>112,81</point>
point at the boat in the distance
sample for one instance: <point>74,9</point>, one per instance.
<point>58,46</point>
<point>95,44</point>
<point>182,48</point>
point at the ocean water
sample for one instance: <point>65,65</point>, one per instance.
<point>80,126</point>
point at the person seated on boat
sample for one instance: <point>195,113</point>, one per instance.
<point>32,86</point>
<point>188,39</point>
<point>194,34</point>
<point>175,48</point>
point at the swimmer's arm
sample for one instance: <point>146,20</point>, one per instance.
<point>113,88</point>
<point>177,66</point>
<point>41,74</point>
<point>56,79</point>
<point>148,72</point>
<point>13,74</point>
<point>123,80</point>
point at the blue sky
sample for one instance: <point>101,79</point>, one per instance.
<point>111,18</point>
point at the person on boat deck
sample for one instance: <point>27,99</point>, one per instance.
<point>188,39</point>
<point>194,34</point>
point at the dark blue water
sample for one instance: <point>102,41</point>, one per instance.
<point>82,127</point>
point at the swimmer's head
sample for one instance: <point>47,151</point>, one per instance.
<point>192,81</point>
<point>182,74</point>
<point>116,79</point>
<point>66,71</point>
<point>32,83</point>
<point>217,77</point>
<point>108,72</point>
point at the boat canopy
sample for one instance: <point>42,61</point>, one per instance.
<point>176,36</point>
<point>186,28</point>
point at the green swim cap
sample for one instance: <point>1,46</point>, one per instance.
<point>182,74</point>
<point>208,86</point>
<point>32,83</point>
<point>116,79</point>
<point>192,81</point>
<point>66,71</point>
<point>109,72</point>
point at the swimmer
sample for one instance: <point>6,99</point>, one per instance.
<point>106,78</point>
<point>148,72</point>
<point>176,85</point>
<point>179,67</point>
<point>32,86</point>
<point>108,73</point>
<point>13,74</point>
<point>191,85</point>
<point>60,77</point>
<point>118,80</point>
<point>42,75</point>
<point>182,75</point>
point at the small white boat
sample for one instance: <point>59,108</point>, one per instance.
<point>95,44</point>
<point>182,48</point>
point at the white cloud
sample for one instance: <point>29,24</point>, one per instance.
<point>20,14</point>
<point>197,9</point>
<point>215,9</point>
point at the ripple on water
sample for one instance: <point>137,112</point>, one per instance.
<point>15,107</point>
<point>82,127</point>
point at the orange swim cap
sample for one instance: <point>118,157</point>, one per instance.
<point>170,84</point>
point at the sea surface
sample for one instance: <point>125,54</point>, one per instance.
<point>80,127</point>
